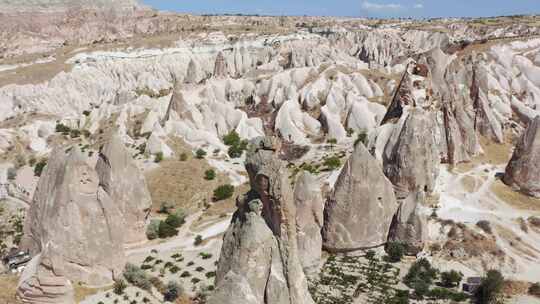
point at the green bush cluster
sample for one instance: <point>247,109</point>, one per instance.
<point>166,228</point>
<point>395,251</point>
<point>38,168</point>
<point>237,146</point>
<point>210,174</point>
<point>223,192</point>
<point>490,289</point>
<point>136,276</point>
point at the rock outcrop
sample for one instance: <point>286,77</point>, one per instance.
<point>411,157</point>
<point>74,227</point>
<point>122,180</point>
<point>359,212</point>
<point>409,225</point>
<point>523,171</point>
<point>309,221</point>
<point>220,67</point>
<point>259,260</point>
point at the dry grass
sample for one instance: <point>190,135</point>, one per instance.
<point>515,199</point>
<point>516,242</point>
<point>182,183</point>
<point>8,287</point>
<point>494,153</point>
<point>82,292</point>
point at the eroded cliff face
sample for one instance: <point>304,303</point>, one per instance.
<point>260,260</point>
<point>79,221</point>
<point>359,212</point>
<point>523,172</point>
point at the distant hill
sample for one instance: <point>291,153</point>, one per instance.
<point>11,6</point>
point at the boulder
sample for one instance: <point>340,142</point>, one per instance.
<point>259,261</point>
<point>75,225</point>
<point>411,157</point>
<point>359,212</point>
<point>523,171</point>
<point>409,226</point>
<point>124,182</point>
<point>309,221</point>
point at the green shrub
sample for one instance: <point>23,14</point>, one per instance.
<point>420,270</point>
<point>451,278</point>
<point>199,269</point>
<point>490,288</point>
<point>209,174</point>
<point>38,169</point>
<point>231,139</point>
<point>119,286</point>
<point>195,280</point>
<point>74,133</point>
<point>210,274</point>
<point>12,173</point>
<point>370,254</point>
<point>185,274</point>
<point>205,256</point>
<point>198,240</point>
<point>176,219</point>
<point>332,163</point>
<point>173,290</point>
<point>332,141</point>
<point>236,145</point>
<point>137,277</point>
<point>159,157</point>
<point>61,128</point>
<point>200,153</point>
<point>447,294</point>
<point>86,113</point>
<point>183,157</point>
<point>166,230</point>
<point>174,269</point>
<point>362,138</point>
<point>395,251</point>
<point>223,192</point>
<point>152,231</point>
<point>401,297</point>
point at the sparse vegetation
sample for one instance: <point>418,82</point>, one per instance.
<point>152,230</point>
<point>485,226</point>
<point>198,240</point>
<point>332,163</point>
<point>137,277</point>
<point>119,286</point>
<point>173,290</point>
<point>451,278</point>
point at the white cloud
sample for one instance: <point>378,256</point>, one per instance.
<point>370,6</point>
<point>419,6</point>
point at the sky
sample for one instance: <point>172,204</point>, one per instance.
<point>354,8</point>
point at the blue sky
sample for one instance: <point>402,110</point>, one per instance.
<point>354,8</point>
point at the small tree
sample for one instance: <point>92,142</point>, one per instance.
<point>490,288</point>
<point>165,208</point>
<point>119,286</point>
<point>38,169</point>
<point>223,192</point>
<point>451,278</point>
<point>159,157</point>
<point>209,174</point>
<point>152,231</point>
<point>176,219</point>
<point>166,230</point>
<point>200,153</point>
<point>231,139</point>
<point>395,251</point>
<point>173,290</point>
<point>198,240</point>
